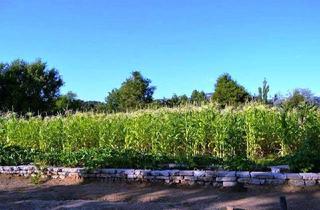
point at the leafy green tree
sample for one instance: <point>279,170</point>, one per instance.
<point>68,101</point>
<point>263,92</point>
<point>28,87</point>
<point>299,96</point>
<point>198,97</point>
<point>229,92</point>
<point>134,93</point>
<point>113,100</point>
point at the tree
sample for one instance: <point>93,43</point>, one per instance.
<point>300,96</point>
<point>134,93</point>
<point>28,87</point>
<point>198,97</point>
<point>229,92</point>
<point>68,101</point>
<point>263,92</point>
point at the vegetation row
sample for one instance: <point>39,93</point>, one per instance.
<point>247,137</point>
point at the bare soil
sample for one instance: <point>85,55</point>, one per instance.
<point>21,193</point>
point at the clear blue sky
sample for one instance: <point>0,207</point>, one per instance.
<point>180,45</point>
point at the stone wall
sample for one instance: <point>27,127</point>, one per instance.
<point>178,177</point>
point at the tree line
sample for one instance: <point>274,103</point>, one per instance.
<point>34,88</point>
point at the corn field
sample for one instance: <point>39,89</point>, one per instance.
<point>254,131</point>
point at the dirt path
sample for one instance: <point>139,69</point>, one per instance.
<point>20,193</point>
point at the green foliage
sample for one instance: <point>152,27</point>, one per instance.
<point>134,93</point>
<point>245,138</point>
<point>263,92</point>
<point>298,97</point>
<point>28,87</point>
<point>229,92</point>
<point>36,179</point>
<point>198,97</point>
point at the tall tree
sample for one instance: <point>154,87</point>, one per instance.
<point>28,87</point>
<point>229,92</point>
<point>135,92</point>
<point>263,92</point>
<point>198,97</point>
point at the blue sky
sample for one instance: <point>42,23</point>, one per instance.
<point>180,45</point>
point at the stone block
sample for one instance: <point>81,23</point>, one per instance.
<point>279,168</point>
<point>243,180</point>
<point>205,178</point>
<point>145,172</point>
<point>189,178</point>
<point>159,173</point>
<point>243,174</point>
<point>125,171</point>
<point>226,174</point>
<point>108,171</point>
<point>229,184</point>
<point>313,176</point>
<point>199,173</point>
<point>310,182</point>
<point>72,170</point>
<point>279,176</point>
<point>149,177</point>
<point>262,175</point>
<point>131,176</point>
<point>186,173</point>
<point>275,181</point>
<point>162,177</point>
<point>256,181</point>
<point>226,179</point>
<point>211,173</point>
<point>291,176</point>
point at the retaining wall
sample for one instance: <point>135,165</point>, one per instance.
<point>178,177</point>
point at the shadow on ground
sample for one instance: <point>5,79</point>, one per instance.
<point>20,193</point>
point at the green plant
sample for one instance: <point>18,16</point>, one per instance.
<point>194,136</point>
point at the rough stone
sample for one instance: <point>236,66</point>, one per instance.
<point>243,174</point>
<point>189,178</point>
<point>108,171</point>
<point>211,173</point>
<point>279,169</point>
<point>279,176</point>
<point>229,184</point>
<point>199,173</point>
<point>145,172</point>
<point>243,180</point>
<point>312,176</point>
<point>256,181</point>
<point>275,181</point>
<point>162,177</point>
<point>226,174</point>
<point>291,176</point>
<point>310,182</point>
<point>261,175</point>
<point>186,173</point>
<point>205,178</point>
<point>226,179</point>
<point>160,173</point>
<point>125,171</point>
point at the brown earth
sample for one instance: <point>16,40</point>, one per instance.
<point>21,193</point>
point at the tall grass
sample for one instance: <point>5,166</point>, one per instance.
<point>253,132</point>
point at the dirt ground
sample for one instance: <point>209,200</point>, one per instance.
<point>21,193</point>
